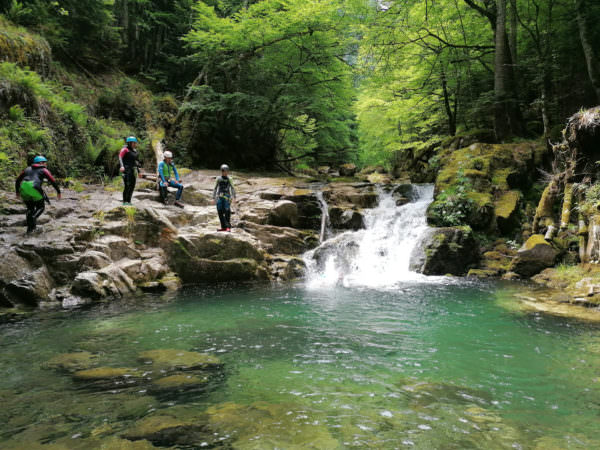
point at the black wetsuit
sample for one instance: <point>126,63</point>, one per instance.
<point>129,161</point>
<point>36,174</point>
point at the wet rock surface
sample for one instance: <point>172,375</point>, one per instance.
<point>441,251</point>
<point>91,248</point>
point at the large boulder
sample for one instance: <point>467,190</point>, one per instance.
<point>33,289</point>
<point>345,219</point>
<point>348,170</point>
<point>284,214</point>
<point>534,256</point>
<point>441,251</point>
<point>215,257</point>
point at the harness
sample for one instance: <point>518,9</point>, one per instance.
<point>223,191</point>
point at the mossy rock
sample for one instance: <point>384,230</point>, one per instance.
<point>166,430</point>
<point>507,211</point>
<point>106,373</point>
<point>534,256</point>
<point>180,359</point>
<point>71,362</point>
<point>482,273</point>
<point>180,382</point>
<point>278,425</point>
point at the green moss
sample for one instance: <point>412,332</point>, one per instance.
<point>20,46</point>
<point>536,239</point>
<point>507,204</point>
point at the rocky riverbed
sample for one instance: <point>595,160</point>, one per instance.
<point>91,248</point>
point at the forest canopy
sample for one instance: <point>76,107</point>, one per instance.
<point>300,83</point>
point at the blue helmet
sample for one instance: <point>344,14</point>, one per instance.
<point>39,159</point>
<point>131,139</point>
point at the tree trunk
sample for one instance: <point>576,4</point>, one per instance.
<point>501,76</point>
<point>513,31</point>
<point>593,66</point>
<point>451,115</point>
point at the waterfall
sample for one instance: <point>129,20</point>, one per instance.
<point>324,216</point>
<point>379,255</point>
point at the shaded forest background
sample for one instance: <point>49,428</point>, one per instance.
<point>289,84</point>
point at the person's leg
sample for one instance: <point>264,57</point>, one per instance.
<point>29,216</point>
<point>39,209</point>
<point>132,183</point>
<point>221,211</point>
<point>227,213</point>
<point>125,186</point>
<point>163,192</point>
<point>179,187</point>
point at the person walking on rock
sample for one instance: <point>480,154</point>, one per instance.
<point>28,187</point>
<point>128,159</point>
<point>224,196</point>
<point>168,176</point>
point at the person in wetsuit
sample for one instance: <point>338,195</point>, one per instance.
<point>224,196</point>
<point>168,176</point>
<point>28,187</point>
<point>128,159</point>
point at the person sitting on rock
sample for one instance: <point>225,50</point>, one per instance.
<point>28,187</point>
<point>224,196</point>
<point>128,159</point>
<point>168,176</point>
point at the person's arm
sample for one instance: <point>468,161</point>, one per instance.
<point>122,154</point>
<point>18,182</point>
<point>161,174</point>
<point>231,188</point>
<point>52,181</point>
<point>215,189</point>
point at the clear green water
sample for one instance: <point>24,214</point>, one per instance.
<point>425,366</point>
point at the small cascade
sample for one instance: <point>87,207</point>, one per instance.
<point>324,216</point>
<point>379,255</point>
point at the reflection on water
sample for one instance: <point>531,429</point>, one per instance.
<point>424,366</point>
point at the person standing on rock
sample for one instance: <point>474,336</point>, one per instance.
<point>224,196</point>
<point>128,159</point>
<point>168,176</point>
<point>28,187</point>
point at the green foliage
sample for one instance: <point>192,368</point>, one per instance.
<point>275,84</point>
<point>453,206</point>
<point>589,206</point>
<point>40,120</point>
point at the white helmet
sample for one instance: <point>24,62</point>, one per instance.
<point>225,167</point>
<point>167,154</point>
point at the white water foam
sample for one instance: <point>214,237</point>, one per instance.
<point>379,255</point>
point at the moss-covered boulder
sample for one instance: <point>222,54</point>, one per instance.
<point>106,373</point>
<point>506,209</point>
<point>441,251</point>
<point>479,185</point>
<point>179,382</point>
<point>534,256</point>
<point>179,359</point>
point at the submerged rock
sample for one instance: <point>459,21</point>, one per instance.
<point>180,359</point>
<point>278,425</point>
<point>180,382</point>
<point>71,362</point>
<point>105,373</point>
<point>166,430</point>
<point>441,251</point>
